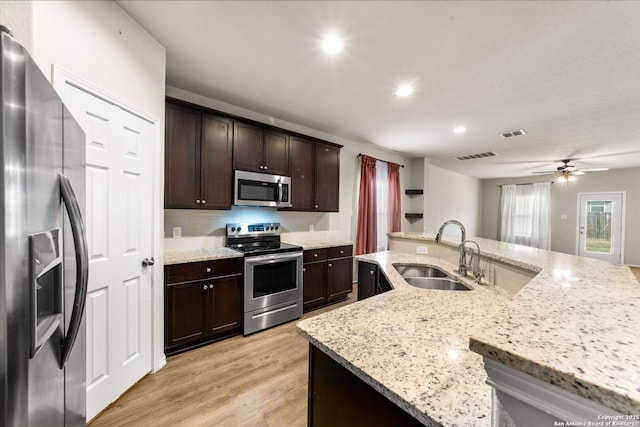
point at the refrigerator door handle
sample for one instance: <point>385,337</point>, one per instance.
<point>82,266</point>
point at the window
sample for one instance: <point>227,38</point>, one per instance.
<point>382,195</point>
<point>524,214</point>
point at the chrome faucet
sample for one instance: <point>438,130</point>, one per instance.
<point>462,267</point>
<point>477,272</point>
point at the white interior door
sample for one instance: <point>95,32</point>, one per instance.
<point>119,154</point>
<point>601,226</point>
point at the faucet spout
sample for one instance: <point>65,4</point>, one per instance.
<point>462,267</point>
<point>455,222</point>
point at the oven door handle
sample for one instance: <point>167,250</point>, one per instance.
<point>270,259</point>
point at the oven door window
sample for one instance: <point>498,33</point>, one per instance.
<point>269,279</point>
<point>257,191</point>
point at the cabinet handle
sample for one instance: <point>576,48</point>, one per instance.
<point>205,287</point>
<point>316,206</point>
<point>208,269</point>
<point>330,265</point>
<point>304,269</point>
<point>210,286</point>
<point>315,255</point>
<point>203,202</point>
<point>371,272</point>
<point>198,201</point>
<point>341,252</point>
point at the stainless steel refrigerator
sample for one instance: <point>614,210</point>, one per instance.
<point>43,250</point>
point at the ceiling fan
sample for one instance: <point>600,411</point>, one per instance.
<point>567,172</point>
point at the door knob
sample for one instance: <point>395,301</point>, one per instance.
<point>148,262</point>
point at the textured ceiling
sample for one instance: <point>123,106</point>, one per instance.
<point>566,72</point>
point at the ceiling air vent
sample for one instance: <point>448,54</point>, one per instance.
<point>477,156</point>
<point>513,133</point>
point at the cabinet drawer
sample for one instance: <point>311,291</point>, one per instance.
<point>313,255</point>
<point>340,251</point>
<point>202,270</point>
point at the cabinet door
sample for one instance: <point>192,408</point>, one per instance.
<point>327,182</point>
<point>367,280</point>
<point>302,153</point>
<point>276,153</point>
<point>182,157</point>
<point>215,163</point>
<point>224,304</point>
<point>313,285</point>
<point>186,317</point>
<point>247,147</point>
<point>339,278</point>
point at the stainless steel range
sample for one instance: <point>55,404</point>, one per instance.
<point>272,275</point>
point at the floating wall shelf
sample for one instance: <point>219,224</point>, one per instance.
<point>413,192</point>
<point>413,215</point>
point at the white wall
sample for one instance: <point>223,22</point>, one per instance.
<point>451,195</point>
<point>564,201</point>
<point>18,16</point>
<point>102,45</point>
<point>206,228</point>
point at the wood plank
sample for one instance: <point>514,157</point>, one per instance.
<point>259,380</point>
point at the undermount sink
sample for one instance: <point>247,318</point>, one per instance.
<point>437,283</point>
<point>427,277</point>
<point>419,271</point>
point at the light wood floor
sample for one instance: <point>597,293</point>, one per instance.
<point>259,380</point>
<point>636,272</point>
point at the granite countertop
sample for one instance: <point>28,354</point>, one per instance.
<point>574,325</point>
<point>412,345</point>
<point>571,326</point>
<point>317,243</point>
<point>181,256</point>
<point>194,255</point>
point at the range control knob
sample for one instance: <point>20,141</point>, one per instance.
<point>277,227</point>
<point>238,229</point>
<point>233,229</point>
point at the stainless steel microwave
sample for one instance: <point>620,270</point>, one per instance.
<point>261,189</point>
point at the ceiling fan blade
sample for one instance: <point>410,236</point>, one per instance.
<point>545,172</point>
<point>594,169</point>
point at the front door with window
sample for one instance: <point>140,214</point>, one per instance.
<point>601,226</point>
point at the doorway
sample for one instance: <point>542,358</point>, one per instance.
<point>601,226</point>
<point>119,222</point>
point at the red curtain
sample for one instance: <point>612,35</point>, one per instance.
<point>393,215</point>
<point>367,212</point>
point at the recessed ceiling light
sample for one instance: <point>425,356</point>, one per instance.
<point>404,91</point>
<point>460,129</point>
<point>332,44</point>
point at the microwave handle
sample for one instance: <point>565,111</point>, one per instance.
<point>279,196</point>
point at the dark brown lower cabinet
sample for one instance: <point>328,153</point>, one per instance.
<point>203,303</point>
<point>371,281</point>
<point>338,398</point>
<point>327,276</point>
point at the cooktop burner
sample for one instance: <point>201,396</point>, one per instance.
<point>257,239</point>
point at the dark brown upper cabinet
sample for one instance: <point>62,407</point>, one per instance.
<point>260,150</point>
<point>302,170</point>
<point>315,175</point>
<point>327,183</point>
<point>198,159</point>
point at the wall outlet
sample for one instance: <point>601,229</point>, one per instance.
<point>177,232</point>
<point>422,250</point>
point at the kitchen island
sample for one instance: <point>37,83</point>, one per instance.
<point>569,326</point>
